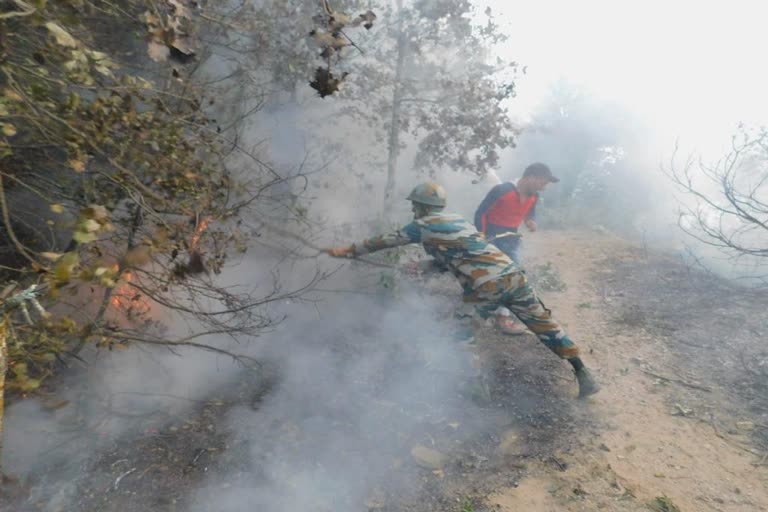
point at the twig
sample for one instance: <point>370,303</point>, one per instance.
<point>28,10</point>
<point>9,228</point>
<point>352,42</point>
<point>373,263</point>
<point>197,456</point>
<point>163,395</point>
<point>150,467</point>
<point>690,344</point>
<point>728,440</point>
<point>117,480</point>
<point>357,292</point>
<point>319,249</point>
<point>678,381</point>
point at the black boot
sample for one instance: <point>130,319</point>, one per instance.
<point>587,384</point>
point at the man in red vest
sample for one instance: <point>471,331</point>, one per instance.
<point>499,216</point>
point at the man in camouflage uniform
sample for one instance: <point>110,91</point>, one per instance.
<point>490,279</point>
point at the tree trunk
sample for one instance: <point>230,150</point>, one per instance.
<point>394,126</point>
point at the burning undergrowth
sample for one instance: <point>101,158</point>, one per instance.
<point>381,408</point>
<point>371,404</point>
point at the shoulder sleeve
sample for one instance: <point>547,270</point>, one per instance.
<point>408,234</point>
<point>490,199</point>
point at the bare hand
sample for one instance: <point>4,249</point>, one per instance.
<point>341,252</point>
<point>531,225</point>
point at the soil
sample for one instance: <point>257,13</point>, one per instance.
<point>681,420</point>
<point>681,413</point>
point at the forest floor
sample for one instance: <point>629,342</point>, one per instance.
<point>681,422</point>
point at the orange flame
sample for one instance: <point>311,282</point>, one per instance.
<point>128,299</point>
<point>198,232</point>
<point>121,296</point>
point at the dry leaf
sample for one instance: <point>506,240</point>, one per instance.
<point>90,226</point>
<point>366,19</point>
<point>96,211</point>
<point>158,52</point>
<point>325,83</point>
<point>11,94</point>
<point>9,130</point>
<point>151,19</point>
<point>83,237</point>
<point>179,9</point>
<point>62,36</point>
<point>65,265</point>
<point>77,165</point>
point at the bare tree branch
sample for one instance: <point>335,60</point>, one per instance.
<point>724,204</point>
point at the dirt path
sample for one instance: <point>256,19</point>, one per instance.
<point>650,444</point>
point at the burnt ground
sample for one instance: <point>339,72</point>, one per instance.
<point>679,352</point>
<point>483,440</point>
<point>674,347</point>
<point>714,334</point>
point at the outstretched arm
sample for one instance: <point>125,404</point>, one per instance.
<point>409,234</point>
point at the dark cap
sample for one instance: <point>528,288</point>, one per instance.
<point>540,170</point>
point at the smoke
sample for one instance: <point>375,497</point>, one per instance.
<point>359,379</point>
<point>645,94</point>
<point>117,393</point>
<point>614,166</point>
<point>358,387</point>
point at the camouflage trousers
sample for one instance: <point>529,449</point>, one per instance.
<point>513,292</point>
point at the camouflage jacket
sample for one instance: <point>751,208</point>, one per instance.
<point>454,243</point>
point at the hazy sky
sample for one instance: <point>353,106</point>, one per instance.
<point>691,69</point>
